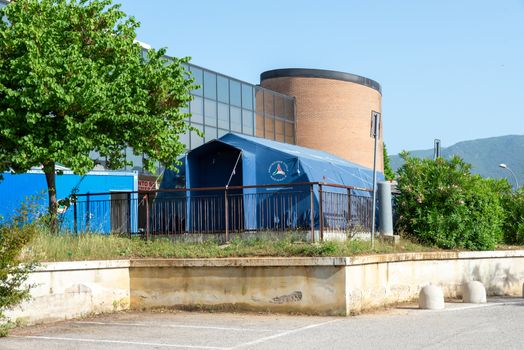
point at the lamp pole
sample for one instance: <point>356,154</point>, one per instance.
<point>375,131</point>
<point>504,166</point>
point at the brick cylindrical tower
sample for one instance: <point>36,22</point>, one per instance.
<point>333,111</point>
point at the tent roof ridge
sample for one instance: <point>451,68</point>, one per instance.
<point>322,155</point>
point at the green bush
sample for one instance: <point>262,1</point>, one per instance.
<point>442,204</point>
<point>15,234</point>
<point>513,203</point>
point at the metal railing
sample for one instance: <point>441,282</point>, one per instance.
<point>311,209</point>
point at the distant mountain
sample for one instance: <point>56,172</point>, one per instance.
<point>484,155</point>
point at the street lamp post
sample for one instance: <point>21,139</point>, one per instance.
<point>375,133</point>
<point>504,166</point>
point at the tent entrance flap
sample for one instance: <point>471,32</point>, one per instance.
<point>217,166</point>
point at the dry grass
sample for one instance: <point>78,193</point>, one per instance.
<point>48,247</point>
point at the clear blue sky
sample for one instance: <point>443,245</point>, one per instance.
<point>449,69</point>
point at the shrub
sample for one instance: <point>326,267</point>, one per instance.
<point>442,204</point>
<point>15,234</point>
<point>513,227</point>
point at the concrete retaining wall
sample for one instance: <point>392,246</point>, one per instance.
<point>308,285</point>
<point>386,279</point>
<point>324,286</point>
<point>65,290</point>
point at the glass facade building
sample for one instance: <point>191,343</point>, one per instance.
<point>224,104</point>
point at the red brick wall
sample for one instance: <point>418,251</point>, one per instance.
<point>333,116</point>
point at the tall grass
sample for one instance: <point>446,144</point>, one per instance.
<point>49,247</point>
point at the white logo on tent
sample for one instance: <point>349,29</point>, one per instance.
<point>278,171</point>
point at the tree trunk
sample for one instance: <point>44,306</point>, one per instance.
<point>50,176</point>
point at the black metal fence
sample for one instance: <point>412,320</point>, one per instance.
<point>312,209</point>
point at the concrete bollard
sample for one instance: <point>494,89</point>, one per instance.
<point>431,297</point>
<point>473,292</point>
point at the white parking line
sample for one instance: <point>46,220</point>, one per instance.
<point>283,334</point>
<point>177,326</point>
<point>166,345</point>
<point>467,306</point>
<point>107,341</point>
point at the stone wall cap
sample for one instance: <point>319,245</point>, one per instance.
<point>241,262</point>
<point>82,265</point>
<point>324,261</point>
<point>277,261</point>
<point>437,255</point>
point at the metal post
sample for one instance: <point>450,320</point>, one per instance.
<point>146,200</point>
<point>321,212</point>
<point>129,213</point>
<point>349,209</point>
<point>312,212</point>
<point>375,133</point>
<point>75,216</point>
<point>88,214</point>
<point>226,210</point>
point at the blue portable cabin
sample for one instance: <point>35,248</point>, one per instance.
<point>240,160</point>
<point>94,213</point>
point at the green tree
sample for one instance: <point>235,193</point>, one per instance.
<point>442,204</point>
<point>389,174</point>
<point>513,202</point>
<point>73,80</point>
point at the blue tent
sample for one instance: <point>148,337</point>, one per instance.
<point>240,160</point>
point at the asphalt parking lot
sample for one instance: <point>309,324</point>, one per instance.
<point>496,325</point>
